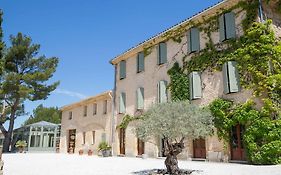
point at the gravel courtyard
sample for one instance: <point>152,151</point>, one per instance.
<point>63,164</point>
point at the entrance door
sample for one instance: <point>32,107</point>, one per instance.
<point>140,147</point>
<point>237,149</point>
<point>71,141</point>
<point>199,148</point>
<point>122,140</point>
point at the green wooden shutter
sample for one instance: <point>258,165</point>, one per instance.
<point>103,137</point>
<point>233,74</point>
<point>230,25</point>
<point>140,62</point>
<point>163,92</point>
<point>122,103</point>
<point>225,78</point>
<point>162,53</point>
<point>140,98</point>
<point>195,85</point>
<point>222,28</point>
<point>195,39</point>
<point>122,69</point>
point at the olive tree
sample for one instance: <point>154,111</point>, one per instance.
<point>174,122</point>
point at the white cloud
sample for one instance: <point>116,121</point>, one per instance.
<point>70,93</point>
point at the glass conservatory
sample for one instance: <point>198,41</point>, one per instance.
<point>41,136</point>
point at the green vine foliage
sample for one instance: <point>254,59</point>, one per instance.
<point>179,84</point>
<point>126,120</point>
<point>262,134</point>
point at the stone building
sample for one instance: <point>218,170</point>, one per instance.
<point>86,123</point>
<point>141,79</point>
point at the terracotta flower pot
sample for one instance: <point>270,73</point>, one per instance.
<point>90,152</point>
<point>81,152</point>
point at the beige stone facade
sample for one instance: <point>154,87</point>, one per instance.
<point>212,84</point>
<point>89,123</point>
<point>131,82</point>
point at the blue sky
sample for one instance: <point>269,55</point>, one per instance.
<point>86,34</point>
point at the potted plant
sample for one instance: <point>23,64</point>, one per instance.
<point>105,149</point>
<point>81,152</point>
<point>90,152</point>
<point>20,145</point>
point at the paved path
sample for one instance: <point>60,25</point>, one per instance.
<point>62,164</point>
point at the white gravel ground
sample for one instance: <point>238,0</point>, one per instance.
<point>63,164</point>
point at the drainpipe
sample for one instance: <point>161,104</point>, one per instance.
<point>113,97</point>
<point>261,12</point>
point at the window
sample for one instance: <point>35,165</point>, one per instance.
<point>104,106</point>
<point>231,77</point>
<point>162,91</point>
<point>162,53</point>
<point>140,98</point>
<point>122,103</point>
<point>227,26</point>
<point>193,40</point>
<point>84,138</point>
<point>93,137</point>
<point>140,62</point>
<point>85,111</point>
<point>122,69</point>
<point>195,87</point>
<point>95,106</point>
<point>70,115</point>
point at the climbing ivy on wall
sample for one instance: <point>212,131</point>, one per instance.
<point>179,84</point>
<point>262,134</point>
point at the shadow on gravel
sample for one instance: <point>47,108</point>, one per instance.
<point>164,172</point>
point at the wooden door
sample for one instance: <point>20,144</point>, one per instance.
<point>122,136</point>
<point>140,147</point>
<point>237,148</point>
<point>199,148</point>
<point>71,141</point>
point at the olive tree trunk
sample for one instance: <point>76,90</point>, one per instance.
<point>171,162</point>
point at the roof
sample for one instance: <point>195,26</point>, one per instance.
<point>43,123</point>
<point>101,96</point>
<point>157,38</point>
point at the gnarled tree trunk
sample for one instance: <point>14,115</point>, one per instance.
<point>171,161</point>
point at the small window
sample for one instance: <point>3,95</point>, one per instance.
<point>70,115</point>
<point>84,138</point>
<point>140,62</point>
<point>105,107</point>
<point>122,103</point>
<point>162,91</point>
<point>93,137</point>
<point>195,86</point>
<point>227,26</point>
<point>122,69</point>
<point>85,111</point>
<point>162,53</point>
<point>231,77</point>
<point>140,98</point>
<point>193,40</point>
<point>95,106</point>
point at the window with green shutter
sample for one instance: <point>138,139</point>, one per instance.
<point>195,85</point>
<point>122,103</point>
<point>140,62</point>
<point>140,98</point>
<point>122,69</point>
<point>227,26</point>
<point>162,91</point>
<point>162,53</point>
<point>231,77</point>
<point>193,40</point>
